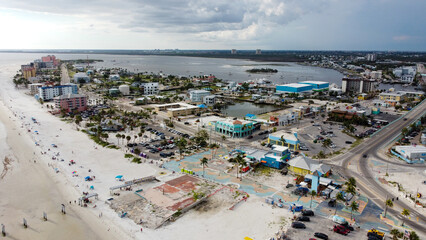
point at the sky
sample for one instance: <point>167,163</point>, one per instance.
<point>395,25</point>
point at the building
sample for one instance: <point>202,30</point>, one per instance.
<point>150,88</point>
<point>284,119</point>
<point>124,89</point>
<point>411,154</point>
<point>111,125</point>
<point>28,71</point>
<point>376,74</point>
<point>81,77</point>
<point>50,61</point>
<point>317,86</point>
<point>48,93</point>
<point>357,85</point>
<point>392,98</point>
<point>258,51</point>
<point>234,128</point>
<point>290,139</point>
<point>423,138</point>
<point>209,100</point>
<point>294,88</point>
<point>178,109</point>
<point>302,165</point>
<point>371,57</point>
<point>197,96</point>
<point>114,77</point>
<point>233,51</point>
<point>71,102</point>
<point>34,87</point>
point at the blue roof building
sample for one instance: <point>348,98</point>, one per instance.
<point>294,88</point>
<point>317,86</point>
<point>290,139</point>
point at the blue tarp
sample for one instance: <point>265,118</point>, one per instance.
<point>119,176</point>
<point>202,106</point>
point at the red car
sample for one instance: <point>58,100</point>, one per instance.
<point>341,230</point>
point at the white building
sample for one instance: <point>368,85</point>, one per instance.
<point>371,57</point>
<point>287,118</point>
<point>412,152</point>
<point>48,93</point>
<point>114,77</point>
<point>34,87</point>
<point>406,73</point>
<point>124,89</point>
<point>81,77</point>
<point>198,95</point>
<point>209,100</point>
<point>150,88</point>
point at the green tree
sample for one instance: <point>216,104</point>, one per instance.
<point>404,131</point>
<point>354,207</point>
<point>181,144</point>
<point>238,159</point>
<point>326,143</point>
<point>339,198</point>
<point>223,139</point>
<point>128,139</point>
<point>321,155</point>
<point>388,203</point>
<point>78,119</point>
<point>283,142</point>
<point>204,162</point>
<point>405,212</point>
<point>414,236</point>
<point>395,233</point>
<point>312,193</point>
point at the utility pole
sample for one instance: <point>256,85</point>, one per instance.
<point>415,197</point>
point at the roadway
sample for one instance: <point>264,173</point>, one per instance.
<point>365,179</point>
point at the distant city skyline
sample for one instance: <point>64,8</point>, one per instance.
<point>383,25</point>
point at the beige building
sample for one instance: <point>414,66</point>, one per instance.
<point>178,109</point>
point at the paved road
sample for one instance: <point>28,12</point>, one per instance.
<point>367,183</point>
<point>65,78</point>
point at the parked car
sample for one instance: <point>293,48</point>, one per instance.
<point>348,142</point>
<point>250,137</point>
<point>347,226</point>
<point>303,219</point>
<point>308,213</point>
<point>321,235</point>
<point>340,229</point>
<point>186,123</point>
<point>298,225</point>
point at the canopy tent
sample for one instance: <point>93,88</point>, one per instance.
<point>202,106</point>
<point>119,176</point>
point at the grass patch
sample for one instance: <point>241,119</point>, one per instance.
<point>136,160</point>
<point>113,147</point>
<point>357,142</point>
<point>99,140</point>
<point>128,155</point>
<point>263,170</point>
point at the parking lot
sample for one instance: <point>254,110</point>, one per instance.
<point>313,132</point>
<point>323,225</point>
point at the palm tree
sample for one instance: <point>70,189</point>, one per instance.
<point>118,136</point>
<point>405,212</point>
<point>204,162</point>
<point>134,138</point>
<point>238,159</point>
<point>122,138</point>
<point>128,139</point>
<point>351,181</point>
<point>283,142</point>
<point>354,207</point>
<point>395,233</point>
<point>339,198</point>
<point>223,139</point>
<point>312,193</point>
<point>388,203</point>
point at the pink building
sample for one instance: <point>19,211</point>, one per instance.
<point>50,58</point>
<point>71,102</point>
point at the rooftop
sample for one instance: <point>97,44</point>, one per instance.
<point>285,134</point>
<point>70,95</point>
<point>314,82</point>
<point>295,85</point>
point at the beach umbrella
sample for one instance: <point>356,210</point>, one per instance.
<point>74,172</point>
<point>91,187</point>
<point>36,131</point>
<point>87,178</point>
<point>119,176</point>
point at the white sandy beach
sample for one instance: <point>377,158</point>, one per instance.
<point>29,187</point>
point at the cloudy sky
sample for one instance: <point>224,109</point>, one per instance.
<point>214,24</point>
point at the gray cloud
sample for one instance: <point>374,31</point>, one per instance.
<point>206,18</point>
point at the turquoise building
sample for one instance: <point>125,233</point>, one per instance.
<point>234,128</point>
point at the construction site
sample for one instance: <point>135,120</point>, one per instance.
<point>156,203</point>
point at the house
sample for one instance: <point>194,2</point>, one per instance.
<point>302,165</point>
<point>198,95</point>
<point>290,139</point>
<point>114,77</point>
<point>178,109</point>
<point>209,100</point>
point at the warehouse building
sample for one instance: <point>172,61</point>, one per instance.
<point>317,86</point>
<point>411,154</point>
<point>294,88</point>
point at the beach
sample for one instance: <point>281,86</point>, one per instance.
<point>39,178</point>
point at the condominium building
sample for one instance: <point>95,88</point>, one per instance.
<point>28,71</point>
<point>357,85</point>
<point>209,100</point>
<point>48,93</point>
<point>71,102</point>
<point>150,88</point>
